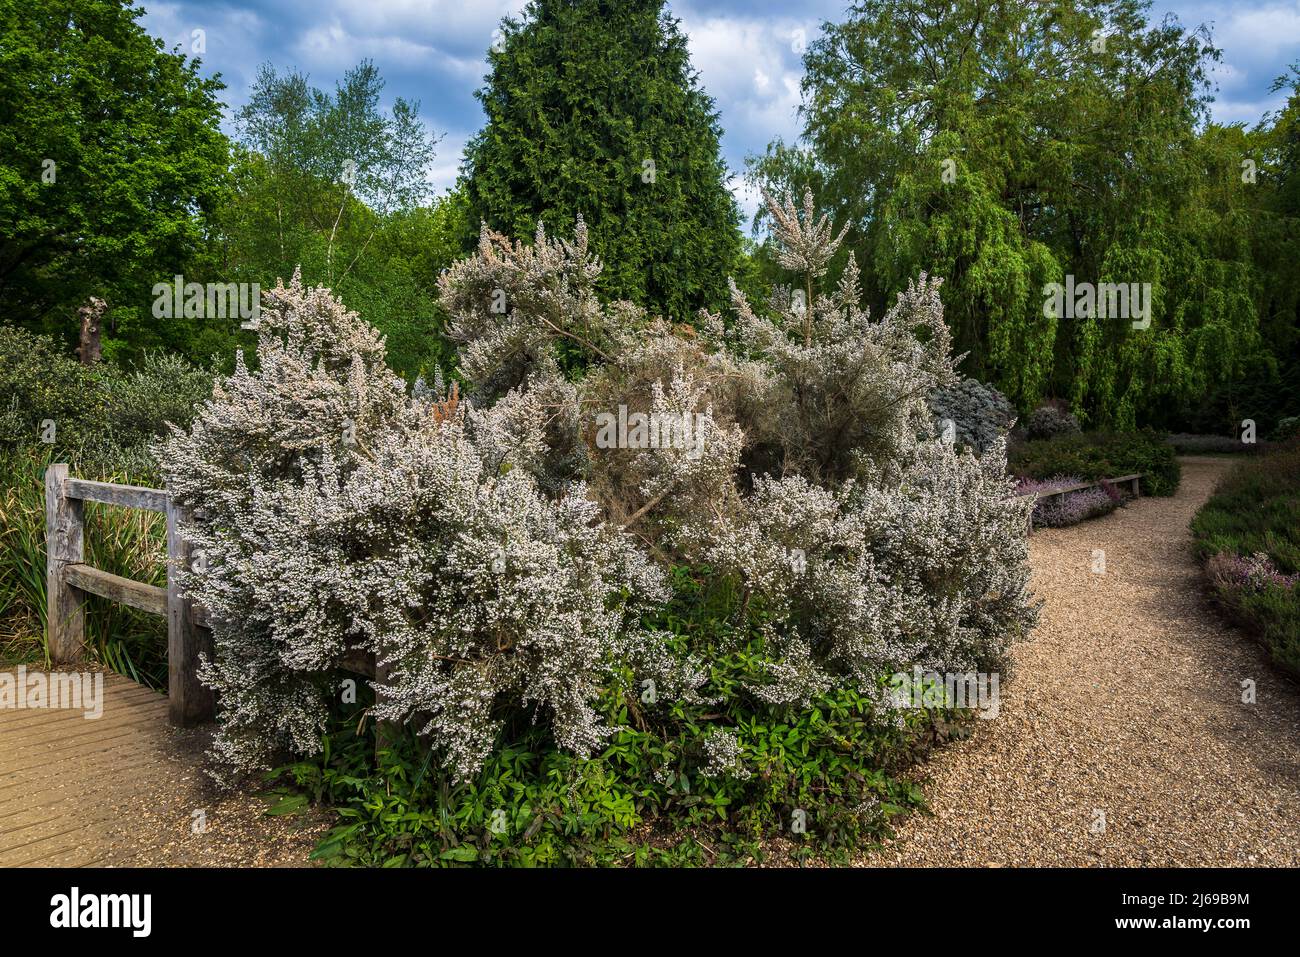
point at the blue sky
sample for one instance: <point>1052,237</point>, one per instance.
<point>747,52</point>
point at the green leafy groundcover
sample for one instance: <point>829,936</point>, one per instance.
<point>1256,511</point>
<point>643,801</point>
<point>1099,455</point>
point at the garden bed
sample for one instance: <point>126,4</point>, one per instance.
<point>1094,456</point>
<point>1065,500</point>
<point>1248,535</point>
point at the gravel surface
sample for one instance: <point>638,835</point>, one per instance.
<point>176,817</point>
<point>1122,738</point>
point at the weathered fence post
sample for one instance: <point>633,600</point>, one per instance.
<point>189,702</point>
<point>65,615</point>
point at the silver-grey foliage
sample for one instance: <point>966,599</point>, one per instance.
<point>979,413</point>
<point>495,555</point>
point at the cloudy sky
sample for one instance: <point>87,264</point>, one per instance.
<point>747,52</point>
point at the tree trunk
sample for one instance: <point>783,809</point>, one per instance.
<point>91,314</point>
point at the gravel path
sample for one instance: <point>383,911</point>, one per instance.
<point>1126,703</point>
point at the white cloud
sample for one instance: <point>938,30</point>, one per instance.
<point>1262,32</point>
<point>446,165</point>
<point>752,70</point>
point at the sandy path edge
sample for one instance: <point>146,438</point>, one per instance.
<point>1127,703</point>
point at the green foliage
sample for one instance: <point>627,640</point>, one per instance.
<point>139,167</point>
<point>1266,393</point>
<point>127,542</point>
<point>1271,615</point>
<point>1100,455</point>
<point>1255,511</point>
<point>1047,422</point>
<point>328,182</point>
<point>648,798</point>
<point>956,147</point>
<point>1256,508</point>
<point>38,382</point>
<point>583,96</point>
<point>102,418</point>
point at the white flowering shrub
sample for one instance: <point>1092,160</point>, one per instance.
<point>817,441</point>
<point>838,395</point>
<point>507,552</point>
<point>336,515</point>
<point>930,571</point>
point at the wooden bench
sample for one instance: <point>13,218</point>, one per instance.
<point>1132,481</point>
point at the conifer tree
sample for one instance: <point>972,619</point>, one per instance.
<point>594,110</point>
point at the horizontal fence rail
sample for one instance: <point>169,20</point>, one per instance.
<point>70,580</point>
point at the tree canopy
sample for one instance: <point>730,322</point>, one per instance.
<point>1006,147</point>
<point>329,182</point>
<point>111,162</point>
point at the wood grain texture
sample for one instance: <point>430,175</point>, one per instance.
<point>148,598</point>
<point>64,545</point>
<point>190,701</point>
<point>129,496</point>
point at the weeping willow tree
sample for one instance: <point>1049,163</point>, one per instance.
<point>1008,147</point>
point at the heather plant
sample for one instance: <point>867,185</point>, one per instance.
<point>1255,573</point>
<point>336,514</point>
<point>1073,508</point>
<point>709,781</point>
<point>1058,511</point>
<point>505,552</point>
<point>1185,443</point>
<point>1248,534</point>
<point>815,438</point>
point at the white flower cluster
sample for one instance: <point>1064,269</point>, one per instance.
<point>723,756</point>
<point>336,515</point>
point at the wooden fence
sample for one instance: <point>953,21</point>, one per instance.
<point>69,580</point>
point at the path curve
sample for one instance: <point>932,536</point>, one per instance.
<point>1127,702</point>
